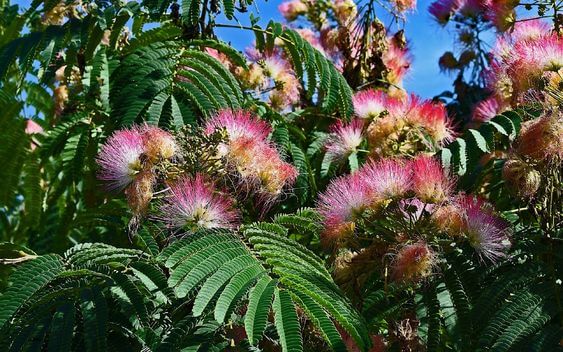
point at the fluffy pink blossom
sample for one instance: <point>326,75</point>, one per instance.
<point>533,57</point>
<point>120,158</point>
<point>248,153</point>
<point>272,174</point>
<point>397,60</point>
<point>194,204</point>
<point>542,139</point>
<point>487,234</point>
<point>473,217</point>
<point>413,262</point>
<point>522,31</point>
<point>387,178</point>
<point>369,104</point>
<point>286,94</point>
<point>429,181</point>
<point>521,60</point>
<point>344,199</point>
<point>487,109</point>
<point>158,143</point>
<point>285,84</point>
<point>344,139</point>
<point>433,117</point>
<point>345,11</point>
<point>404,5</point>
<point>501,13</point>
<point>499,81</point>
<point>238,123</point>
<point>292,9</point>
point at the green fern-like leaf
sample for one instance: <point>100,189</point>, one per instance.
<point>464,153</point>
<point>219,268</point>
<point>62,329</point>
<point>152,81</point>
<point>259,302</point>
<point>27,280</point>
<point>317,74</point>
<point>93,308</point>
<point>286,321</point>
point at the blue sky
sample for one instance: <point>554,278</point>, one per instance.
<point>428,41</point>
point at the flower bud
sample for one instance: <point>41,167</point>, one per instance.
<point>413,262</point>
<point>522,179</point>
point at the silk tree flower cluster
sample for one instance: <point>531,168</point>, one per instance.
<point>343,9</point>
<point>399,209</point>
<point>269,76</point>
<point>128,160</point>
<point>251,158</point>
<point>402,126</point>
<point>336,31</point>
<point>527,64</point>
<point>344,139</point>
<point>278,80</point>
<point>538,149</point>
<point>196,193</point>
<point>194,203</point>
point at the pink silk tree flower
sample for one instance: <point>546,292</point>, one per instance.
<point>487,234</point>
<point>369,104</point>
<point>413,262</point>
<point>432,117</point>
<point>120,158</point>
<point>387,179</point>
<point>272,173</point>
<point>344,139</point>
<point>344,199</point>
<point>429,181</point>
<point>397,60</point>
<point>542,139</point>
<point>523,31</point>
<point>292,9</point>
<point>533,58</point>
<point>404,5</point>
<point>158,143</point>
<point>238,123</point>
<point>486,109</point>
<point>195,204</point>
<point>255,160</point>
<point>501,13</point>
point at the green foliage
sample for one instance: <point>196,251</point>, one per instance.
<point>219,269</point>
<point>266,285</point>
<point>465,153</point>
<point>165,84</point>
<point>318,76</point>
